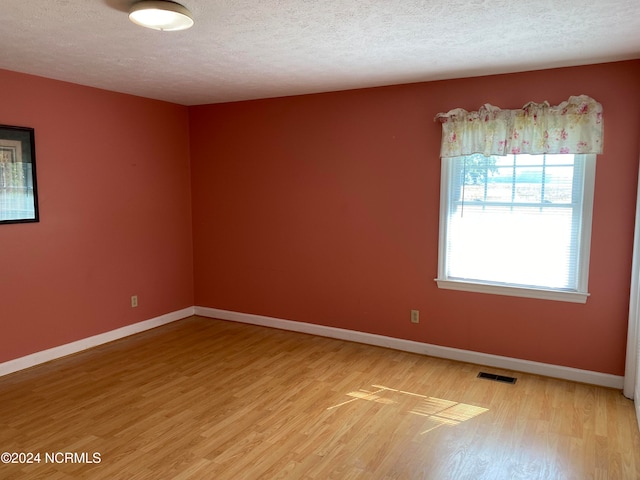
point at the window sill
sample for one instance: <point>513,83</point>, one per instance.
<point>561,296</point>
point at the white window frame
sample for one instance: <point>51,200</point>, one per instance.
<point>579,295</point>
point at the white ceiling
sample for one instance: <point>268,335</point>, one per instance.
<point>245,49</point>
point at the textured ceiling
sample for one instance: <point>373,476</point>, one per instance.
<point>245,49</point>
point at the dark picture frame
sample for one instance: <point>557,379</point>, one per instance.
<point>18,186</point>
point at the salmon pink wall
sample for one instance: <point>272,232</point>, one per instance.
<point>324,209</point>
<point>115,215</point>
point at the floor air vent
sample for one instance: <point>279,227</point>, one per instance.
<point>497,378</point>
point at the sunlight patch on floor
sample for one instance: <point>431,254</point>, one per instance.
<point>437,411</point>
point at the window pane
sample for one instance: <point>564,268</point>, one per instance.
<point>528,186</point>
<point>529,159</point>
<point>523,246</point>
<point>559,184</point>
<point>16,191</point>
<point>560,159</point>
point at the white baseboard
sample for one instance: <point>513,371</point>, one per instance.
<point>89,342</point>
<point>507,363</point>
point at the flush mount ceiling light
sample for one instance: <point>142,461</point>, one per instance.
<point>161,15</point>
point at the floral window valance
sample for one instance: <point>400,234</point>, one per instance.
<point>574,126</point>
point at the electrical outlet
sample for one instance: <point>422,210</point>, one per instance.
<point>134,301</point>
<point>415,316</point>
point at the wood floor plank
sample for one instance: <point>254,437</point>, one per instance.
<point>202,398</point>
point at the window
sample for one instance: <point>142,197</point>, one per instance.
<point>517,225</point>
<point>18,195</point>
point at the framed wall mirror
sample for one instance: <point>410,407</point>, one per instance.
<point>18,188</point>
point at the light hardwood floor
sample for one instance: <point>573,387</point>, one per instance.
<point>208,399</point>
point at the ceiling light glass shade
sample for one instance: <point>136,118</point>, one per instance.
<point>161,15</point>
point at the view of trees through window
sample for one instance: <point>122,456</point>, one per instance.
<point>517,179</point>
